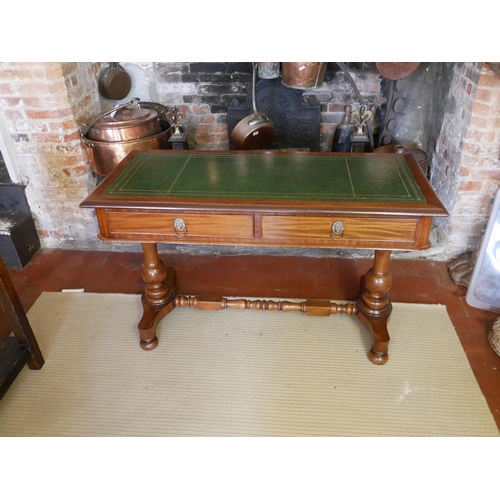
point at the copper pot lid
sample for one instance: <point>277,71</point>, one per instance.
<point>126,118</point>
<point>396,70</point>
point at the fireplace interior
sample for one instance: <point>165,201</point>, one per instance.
<point>447,110</point>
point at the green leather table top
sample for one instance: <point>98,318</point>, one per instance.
<point>298,177</point>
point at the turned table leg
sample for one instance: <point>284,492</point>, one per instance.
<point>158,297</point>
<point>374,306</point>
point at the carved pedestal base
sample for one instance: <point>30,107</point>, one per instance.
<point>374,307</point>
<point>158,297</point>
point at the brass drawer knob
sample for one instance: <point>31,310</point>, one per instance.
<point>337,230</point>
<point>180,227</point>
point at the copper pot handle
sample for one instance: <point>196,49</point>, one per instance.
<point>85,141</point>
<point>257,118</point>
<point>88,126</point>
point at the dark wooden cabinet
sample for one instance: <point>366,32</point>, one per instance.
<point>22,348</point>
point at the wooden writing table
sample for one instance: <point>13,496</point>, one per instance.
<point>314,200</point>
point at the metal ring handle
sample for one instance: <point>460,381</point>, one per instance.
<point>337,230</point>
<point>180,227</point>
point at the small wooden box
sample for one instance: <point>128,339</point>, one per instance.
<point>18,239</point>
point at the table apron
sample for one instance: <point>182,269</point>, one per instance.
<point>256,229</point>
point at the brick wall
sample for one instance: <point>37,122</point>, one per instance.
<point>39,117</point>
<point>467,163</point>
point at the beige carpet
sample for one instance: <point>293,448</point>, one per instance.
<point>240,373</point>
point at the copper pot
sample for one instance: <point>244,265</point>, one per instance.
<point>303,75</point>
<point>255,131</point>
<point>111,135</point>
<point>123,124</point>
<point>105,156</point>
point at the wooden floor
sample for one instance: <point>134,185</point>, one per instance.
<point>263,276</point>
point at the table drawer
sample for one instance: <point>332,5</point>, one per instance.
<point>180,225</point>
<point>339,228</point>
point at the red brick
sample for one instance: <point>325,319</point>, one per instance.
<point>485,109</point>
<point>202,129</point>
<point>12,102</point>
<point>336,108</point>
<point>197,109</point>
<point>6,89</point>
<point>327,128</point>
<point>76,171</point>
<point>13,115</point>
<point>63,126</point>
<point>473,149</point>
<point>207,119</point>
<point>45,114</point>
<point>487,95</point>
<point>30,87</point>
<point>489,174</point>
<point>45,137</point>
<point>486,132</point>
<point>207,139</point>
<point>470,186</point>
<point>42,70</point>
<point>73,136</point>
<point>488,80</point>
<point>7,74</point>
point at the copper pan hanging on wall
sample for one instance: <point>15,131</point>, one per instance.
<point>114,82</point>
<point>255,131</point>
<point>396,70</point>
<point>303,75</point>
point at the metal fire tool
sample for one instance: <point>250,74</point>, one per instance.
<point>179,138</point>
<point>360,139</point>
<point>342,136</point>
